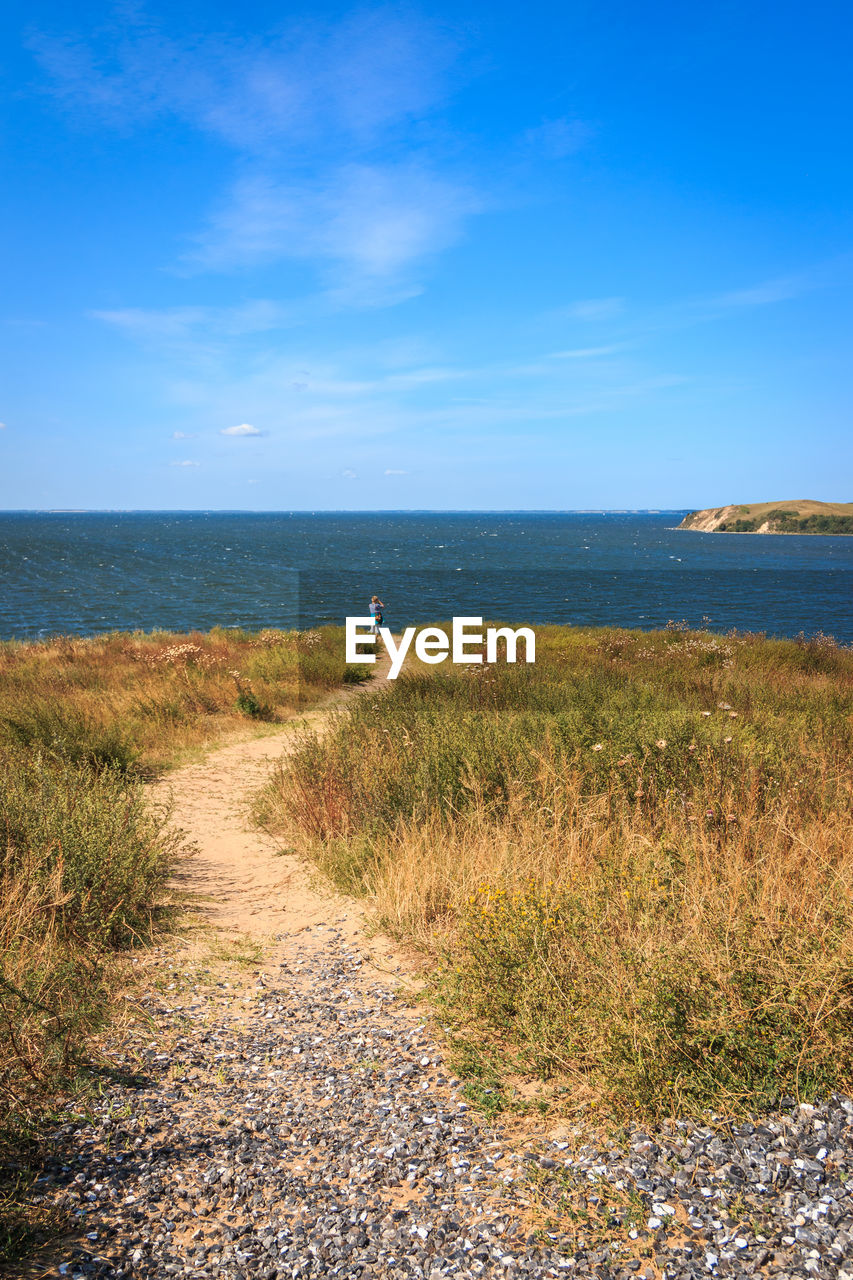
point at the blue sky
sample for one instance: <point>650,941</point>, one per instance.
<point>576,255</point>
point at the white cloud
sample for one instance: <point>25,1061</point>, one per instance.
<point>414,378</point>
<point>2,426</point>
<point>769,291</point>
<point>244,429</point>
<point>358,77</point>
<point>585,353</point>
<point>349,475</point>
<point>186,462</point>
<point>183,435</point>
<point>177,324</point>
<point>393,471</point>
<point>595,308</point>
<point>314,112</point>
<point>366,225</point>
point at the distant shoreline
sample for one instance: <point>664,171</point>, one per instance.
<point>343,511</point>
<point>773,533</point>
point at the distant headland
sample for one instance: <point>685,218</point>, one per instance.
<point>796,516</point>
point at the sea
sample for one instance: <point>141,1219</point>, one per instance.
<point>81,573</point>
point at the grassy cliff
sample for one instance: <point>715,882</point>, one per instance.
<point>795,516</point>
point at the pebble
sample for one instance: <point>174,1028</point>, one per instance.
<point>308,1127</point>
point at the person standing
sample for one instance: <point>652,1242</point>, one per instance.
<point>376,609</point>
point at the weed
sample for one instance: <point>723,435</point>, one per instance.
<point>357,673</point>
<point>242,950</point>
<point>249,705</point>
<point>480,1073</point>
<point>83,863</point>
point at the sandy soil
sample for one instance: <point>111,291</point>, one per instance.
<point>236,879</point>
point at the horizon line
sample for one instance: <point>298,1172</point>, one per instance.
<point>363,511</point>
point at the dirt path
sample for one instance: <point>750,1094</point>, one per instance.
<point>234,881</point>
<point>276,1109</point>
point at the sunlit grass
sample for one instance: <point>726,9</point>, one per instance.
<point>631,864</point>
<point>139,700</point>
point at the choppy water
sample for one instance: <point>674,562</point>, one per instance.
<point>91,572</point>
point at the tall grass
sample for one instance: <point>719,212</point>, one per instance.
<point>137,700</point>
<point>83,861</point>
<point>630,865</point>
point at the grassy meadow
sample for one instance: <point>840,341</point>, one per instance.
<point>139,700</point>
<point>84,855</point>
<point>628,868</point>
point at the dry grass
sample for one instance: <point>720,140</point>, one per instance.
<point>84,863</point>
<point>630,866</point>
<point>140,700</point>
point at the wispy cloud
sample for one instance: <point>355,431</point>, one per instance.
<point>414,378</point>
<point>349,474</point>
<point>180,323</point>
<point>638,323</point>
<point>365,225</point>
<point>587,353</point>
<point>242,430</point>
<point>313,116</point>
<point>394,471</point>
<point>594,309</point>
<point>357,78</point>
<point>322,420</point>
<point>767,292</point>
<point>185,462</point>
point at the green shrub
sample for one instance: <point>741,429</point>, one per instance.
<point>357,673</point>
<point>70,735</point>
<point>249,705</point>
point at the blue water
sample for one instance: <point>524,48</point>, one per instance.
<point>92,572</point>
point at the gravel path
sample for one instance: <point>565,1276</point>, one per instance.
<point>293,1117</point>
<point>305,1125</point>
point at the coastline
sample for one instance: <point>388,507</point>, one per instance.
<point>764,533</point>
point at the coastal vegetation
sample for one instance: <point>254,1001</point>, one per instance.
<point>627,869</point>
<point>85,855</point>
<point>138,701</point>
<point>797,516</point>
<point>781,521</point>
